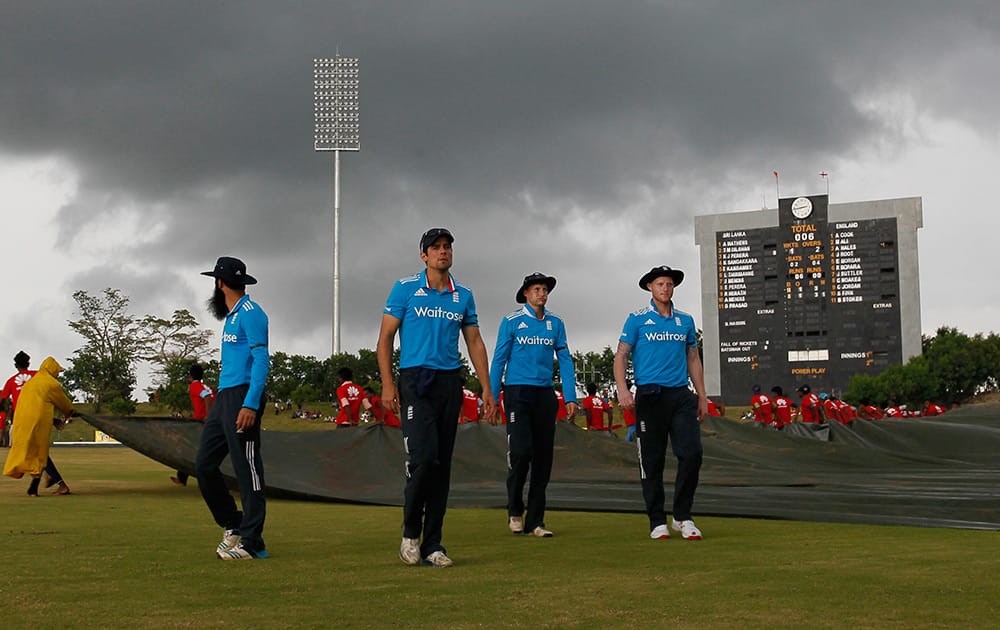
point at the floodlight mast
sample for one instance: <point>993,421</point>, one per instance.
<point>337,128</point>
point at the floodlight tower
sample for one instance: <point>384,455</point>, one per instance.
<point>337,128</point>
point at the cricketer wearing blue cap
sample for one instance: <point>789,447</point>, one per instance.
<point>664,347</point>
<point>429,310</point>
<point>528,339</point>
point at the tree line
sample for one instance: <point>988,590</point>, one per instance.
<point>952,368</point>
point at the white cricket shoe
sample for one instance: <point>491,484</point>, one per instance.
<point>516,525</point>
<point>240,553</point>
<point>687,529</point>
<point>230,538</point>
<point>438,559</point>
<point>660,532</point>
<point>409,550</point>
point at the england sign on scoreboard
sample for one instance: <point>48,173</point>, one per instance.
<point>808,293</point>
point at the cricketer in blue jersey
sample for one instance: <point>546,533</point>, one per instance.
<point>529,341</point>
<point>232,426</point>
<point>429,310</point>
<point>664,348</point>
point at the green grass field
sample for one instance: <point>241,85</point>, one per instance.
<point>130,549</point>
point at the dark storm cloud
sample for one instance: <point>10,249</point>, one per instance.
<point>501,120</point>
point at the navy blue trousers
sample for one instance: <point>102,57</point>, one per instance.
<point>669,416</point>
<point>531,430</point>
<point>431,403</point>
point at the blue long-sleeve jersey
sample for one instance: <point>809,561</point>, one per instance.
<point>526,351</point>
<point>245,359</point>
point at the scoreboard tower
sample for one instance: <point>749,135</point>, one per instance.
<point>810,293</point>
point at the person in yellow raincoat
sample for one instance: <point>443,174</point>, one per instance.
<point>33,419</point>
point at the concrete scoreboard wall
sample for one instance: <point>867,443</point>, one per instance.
<point>810,292</point>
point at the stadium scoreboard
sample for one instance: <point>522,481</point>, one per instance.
<point>815,294</point>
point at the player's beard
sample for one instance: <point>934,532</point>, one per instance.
<point>217,304</point>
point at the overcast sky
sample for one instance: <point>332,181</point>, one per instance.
<point>141,140</point>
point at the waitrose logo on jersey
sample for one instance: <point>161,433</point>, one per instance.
<point>665,336</point>
<point>535,341</point>
<point>438,313</point>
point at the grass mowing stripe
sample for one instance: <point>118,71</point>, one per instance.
<point>129,548</point>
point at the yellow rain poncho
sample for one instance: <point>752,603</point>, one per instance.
<point>29,437</point>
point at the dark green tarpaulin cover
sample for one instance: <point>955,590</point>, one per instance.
<point>942,472</point>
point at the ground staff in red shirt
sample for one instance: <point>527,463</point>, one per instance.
<point>763,409</point>
<point>202,397</point>
<point>812,408</point>
<point>782,408</point>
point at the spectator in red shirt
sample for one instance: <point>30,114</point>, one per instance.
<point>202,398</point>
<point>782,408</point>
